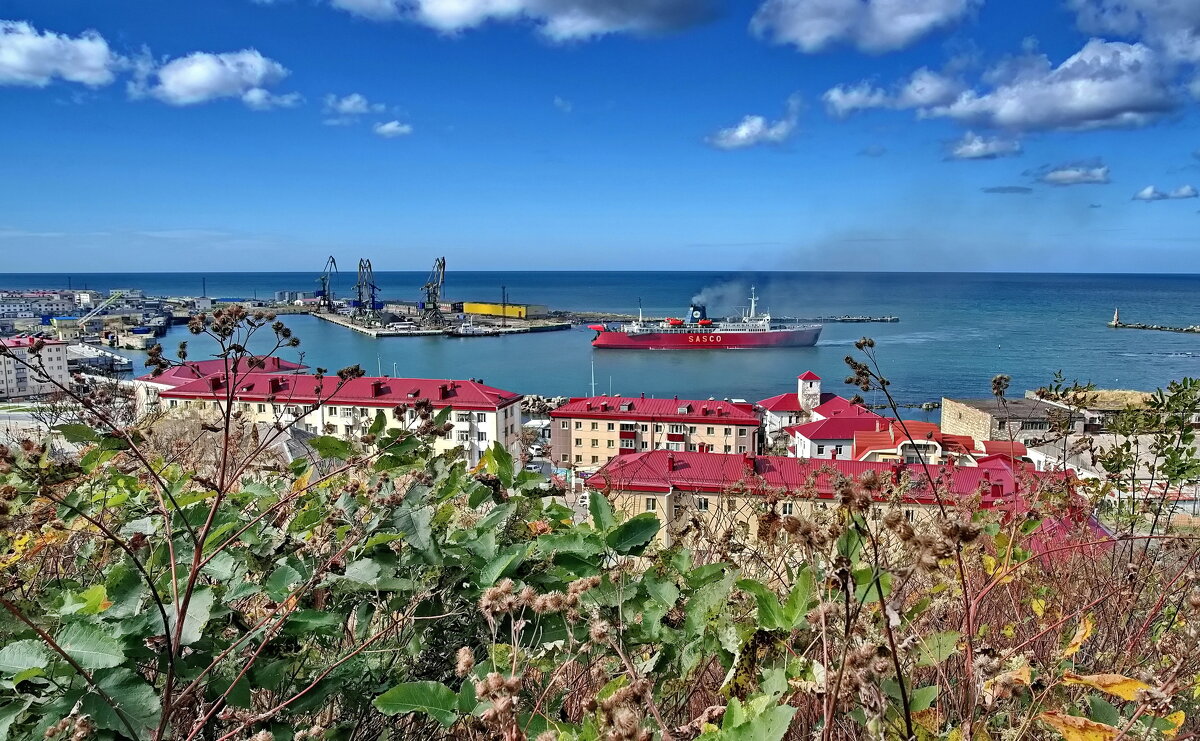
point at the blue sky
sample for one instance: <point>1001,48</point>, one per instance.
<point>1028,135</point>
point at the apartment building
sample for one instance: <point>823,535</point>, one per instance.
<point>590,431</point>
<point>730,491</point>
<point>18,381</point>
<point>481,415</point>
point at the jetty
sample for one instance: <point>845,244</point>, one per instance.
<point>348,323</point>
<point>1116,323</point>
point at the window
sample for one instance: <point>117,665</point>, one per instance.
<point>481,437</point>
<point>701,504</point>
<point>651,504</point>
<point>595,459</point>
<point>349,429</point>
<point>841,449</point>
<point>820,450</point>
<point>175,403</point>
<point>578,442</point>
<point>627,444</point>
<point>676,429</point>
<point>579,459</point>
<point>333,411</point>
<point>628,427</point>
<point>645,445</point>
<point>595,425</point>
<point>464,436</point>
<point>709,430</point>
<point>578,425</point>
<point>728,448</point>
<point>658,428</point>
<point>610,444</point>
<point>563,425</point>
<point>565,458</point>
<point>1035,425</point>
<point>645,428</point>
<point>908,515</point>
<point>787,508</point>
<point>728,431</point>
<point>741,448</point>
<point>463,417</point>
<point>741,432</point>
<point>480,417</point>
<point>595,443</point>
<point>611,426</point>
<point>691,447</point>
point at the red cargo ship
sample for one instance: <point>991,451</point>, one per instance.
<point>699,332</point>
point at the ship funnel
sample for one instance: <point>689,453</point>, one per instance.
<point>696,313</point>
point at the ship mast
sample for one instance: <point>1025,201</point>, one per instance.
<point>753,303</point>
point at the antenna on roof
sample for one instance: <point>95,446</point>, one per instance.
<point>593,376</point>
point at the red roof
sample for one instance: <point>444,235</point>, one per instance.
<point>627,407</point>
<point>191,370</point>
<point>28,341</point>
<point>837,406</point>
<point>1004,447</point>
<point>782,403</point>
<point>809,376</point>
<point>836,428</point>
<point>364,392</point>
<point>664,471</point>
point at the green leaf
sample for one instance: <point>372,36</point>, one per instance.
<point>938,647</point>
<point>1102,711</point>
<point>9,714</point>
<point>90,646</point>
<point>281,582</point>
<point>363,571</point>
<point>18,656</point>
<point>378,423</point>
<point>796,607</point>
<point>77,433</point>
<point>137,701</point>
<point>499,461</point>
<point>431,698</point>
<point>661,590</point>
<point>633,534</point>
<point>501,565</point>
<point>770,614</point>
<point>198,612</point>
<point>305,622</point>
<point>328,446</point>
<point>922,698</point>
<point>601,511</point>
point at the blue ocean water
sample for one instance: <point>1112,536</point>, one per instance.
<point>957,330</point>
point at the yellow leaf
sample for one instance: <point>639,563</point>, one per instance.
<point>1082,633</point>
<point>1176,720</point>
<point>1074,728</point>
<point>104,605</point>
<point>1114,684</point>
<point>1038,606</point>
<point>1018,676</point>
<point>302,480</point>
<point>19,546</point>
<point>992,567</point>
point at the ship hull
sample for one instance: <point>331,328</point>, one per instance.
<point>707,340</point>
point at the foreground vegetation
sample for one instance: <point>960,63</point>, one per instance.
<point>201,588</point>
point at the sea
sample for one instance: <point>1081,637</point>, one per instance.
<point>956,331</point>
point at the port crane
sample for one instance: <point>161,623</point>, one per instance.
<point>366,304</point>
<point>325,292</point>
<point>431,315</point>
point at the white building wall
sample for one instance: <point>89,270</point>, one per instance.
<point>17,381</point>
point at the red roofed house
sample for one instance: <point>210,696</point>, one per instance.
<point>912,442</point>
<point>149,386</point>
<point>590,431</point>
<point>808,404</point>
<point>18,381</point>
<point>677,486</point>
<point>481,414</point>
<point>831,438</point>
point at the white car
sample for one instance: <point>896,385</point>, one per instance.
<point>535,450</point>
<point>535,467</point>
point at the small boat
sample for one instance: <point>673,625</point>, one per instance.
<point>467,329</point>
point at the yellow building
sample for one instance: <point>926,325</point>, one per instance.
<point>511,311</point>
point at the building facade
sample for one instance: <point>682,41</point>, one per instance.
<point>1024,420</point>
<point>17,381</point>
<point>481,415</point>
<point>590,431</point>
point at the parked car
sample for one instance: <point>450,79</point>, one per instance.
<point>535,467</point>
<point>535,450</point>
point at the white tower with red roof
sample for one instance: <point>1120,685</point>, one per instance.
<point>808,391</point>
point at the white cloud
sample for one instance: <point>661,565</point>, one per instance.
<point>843,100</point>
<point>392,129</point>
<point>1150,193</point>
<point>753,130</point>
<point>975,147</point>
<point>354,104</point>
<point>1172,26</point>
<point>32,58</point>
<point>561,20</point>
<point>563,104</point>
<point>1075,174</point>
<point>1105,84</point>
<point>870,25</point>
<point>201,77</point>
<point>923,88</point>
